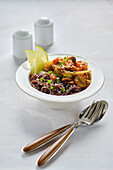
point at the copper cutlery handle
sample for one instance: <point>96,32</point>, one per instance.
<point>44,139</point>
<point>53,149</point>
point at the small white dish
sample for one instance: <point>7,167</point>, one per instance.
<point>60,102</point>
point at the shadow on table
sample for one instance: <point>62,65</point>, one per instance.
<point>19,61</point>
<point>61,117</point>
<point>38,119</point>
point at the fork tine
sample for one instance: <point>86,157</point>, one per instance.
<point>85,114</point>
<point>96,113</point>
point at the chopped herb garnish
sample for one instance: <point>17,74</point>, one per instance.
<point>63,90</point>
<point>65,58</point>
<point>49,81</point>
<point>58,80</point>
<point>56,74</point>
<point>51,88</point>
<point>65,75</point>
<point>60,62</point>
<point>42,79</point>
<point>50,72</point>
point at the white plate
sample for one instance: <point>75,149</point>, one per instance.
<point>60,102</point>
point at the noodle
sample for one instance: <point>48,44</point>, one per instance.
<point>57,88</point>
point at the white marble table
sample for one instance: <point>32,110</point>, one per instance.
<point>80,27</point>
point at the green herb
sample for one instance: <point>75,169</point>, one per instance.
<point>56,74</point>
<point>58,80</point>
<point>63,90</point>
<point>65,58</point>
<point>60,62</point>
<point>49,81</point>
<point>50,72</point>
<point>65,75</point>
<point>51,88</point>
<point>42,79</point>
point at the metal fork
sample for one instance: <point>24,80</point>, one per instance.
<point>93,114</point>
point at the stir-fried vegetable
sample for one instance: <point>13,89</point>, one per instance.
<point>80,81</point>
<point>69,70</point>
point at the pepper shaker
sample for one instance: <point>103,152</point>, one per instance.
<point>43,29</point>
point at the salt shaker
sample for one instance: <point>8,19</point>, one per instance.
<point>22,40</point>
<point>43,29</point>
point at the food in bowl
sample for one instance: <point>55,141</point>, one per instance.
<point>62,76</point>
<point>59,101</point>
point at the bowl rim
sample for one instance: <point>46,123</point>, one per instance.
<point>28,89</point>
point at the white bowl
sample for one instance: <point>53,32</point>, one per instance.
<point>60,102</point>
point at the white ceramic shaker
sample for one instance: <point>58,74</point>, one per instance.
<point>22,40</point>
<point>43,29</point>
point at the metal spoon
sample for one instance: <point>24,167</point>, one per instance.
<point>93,114</point>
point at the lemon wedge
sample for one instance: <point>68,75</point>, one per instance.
<point>37,59</point>
<point>42,59</point>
